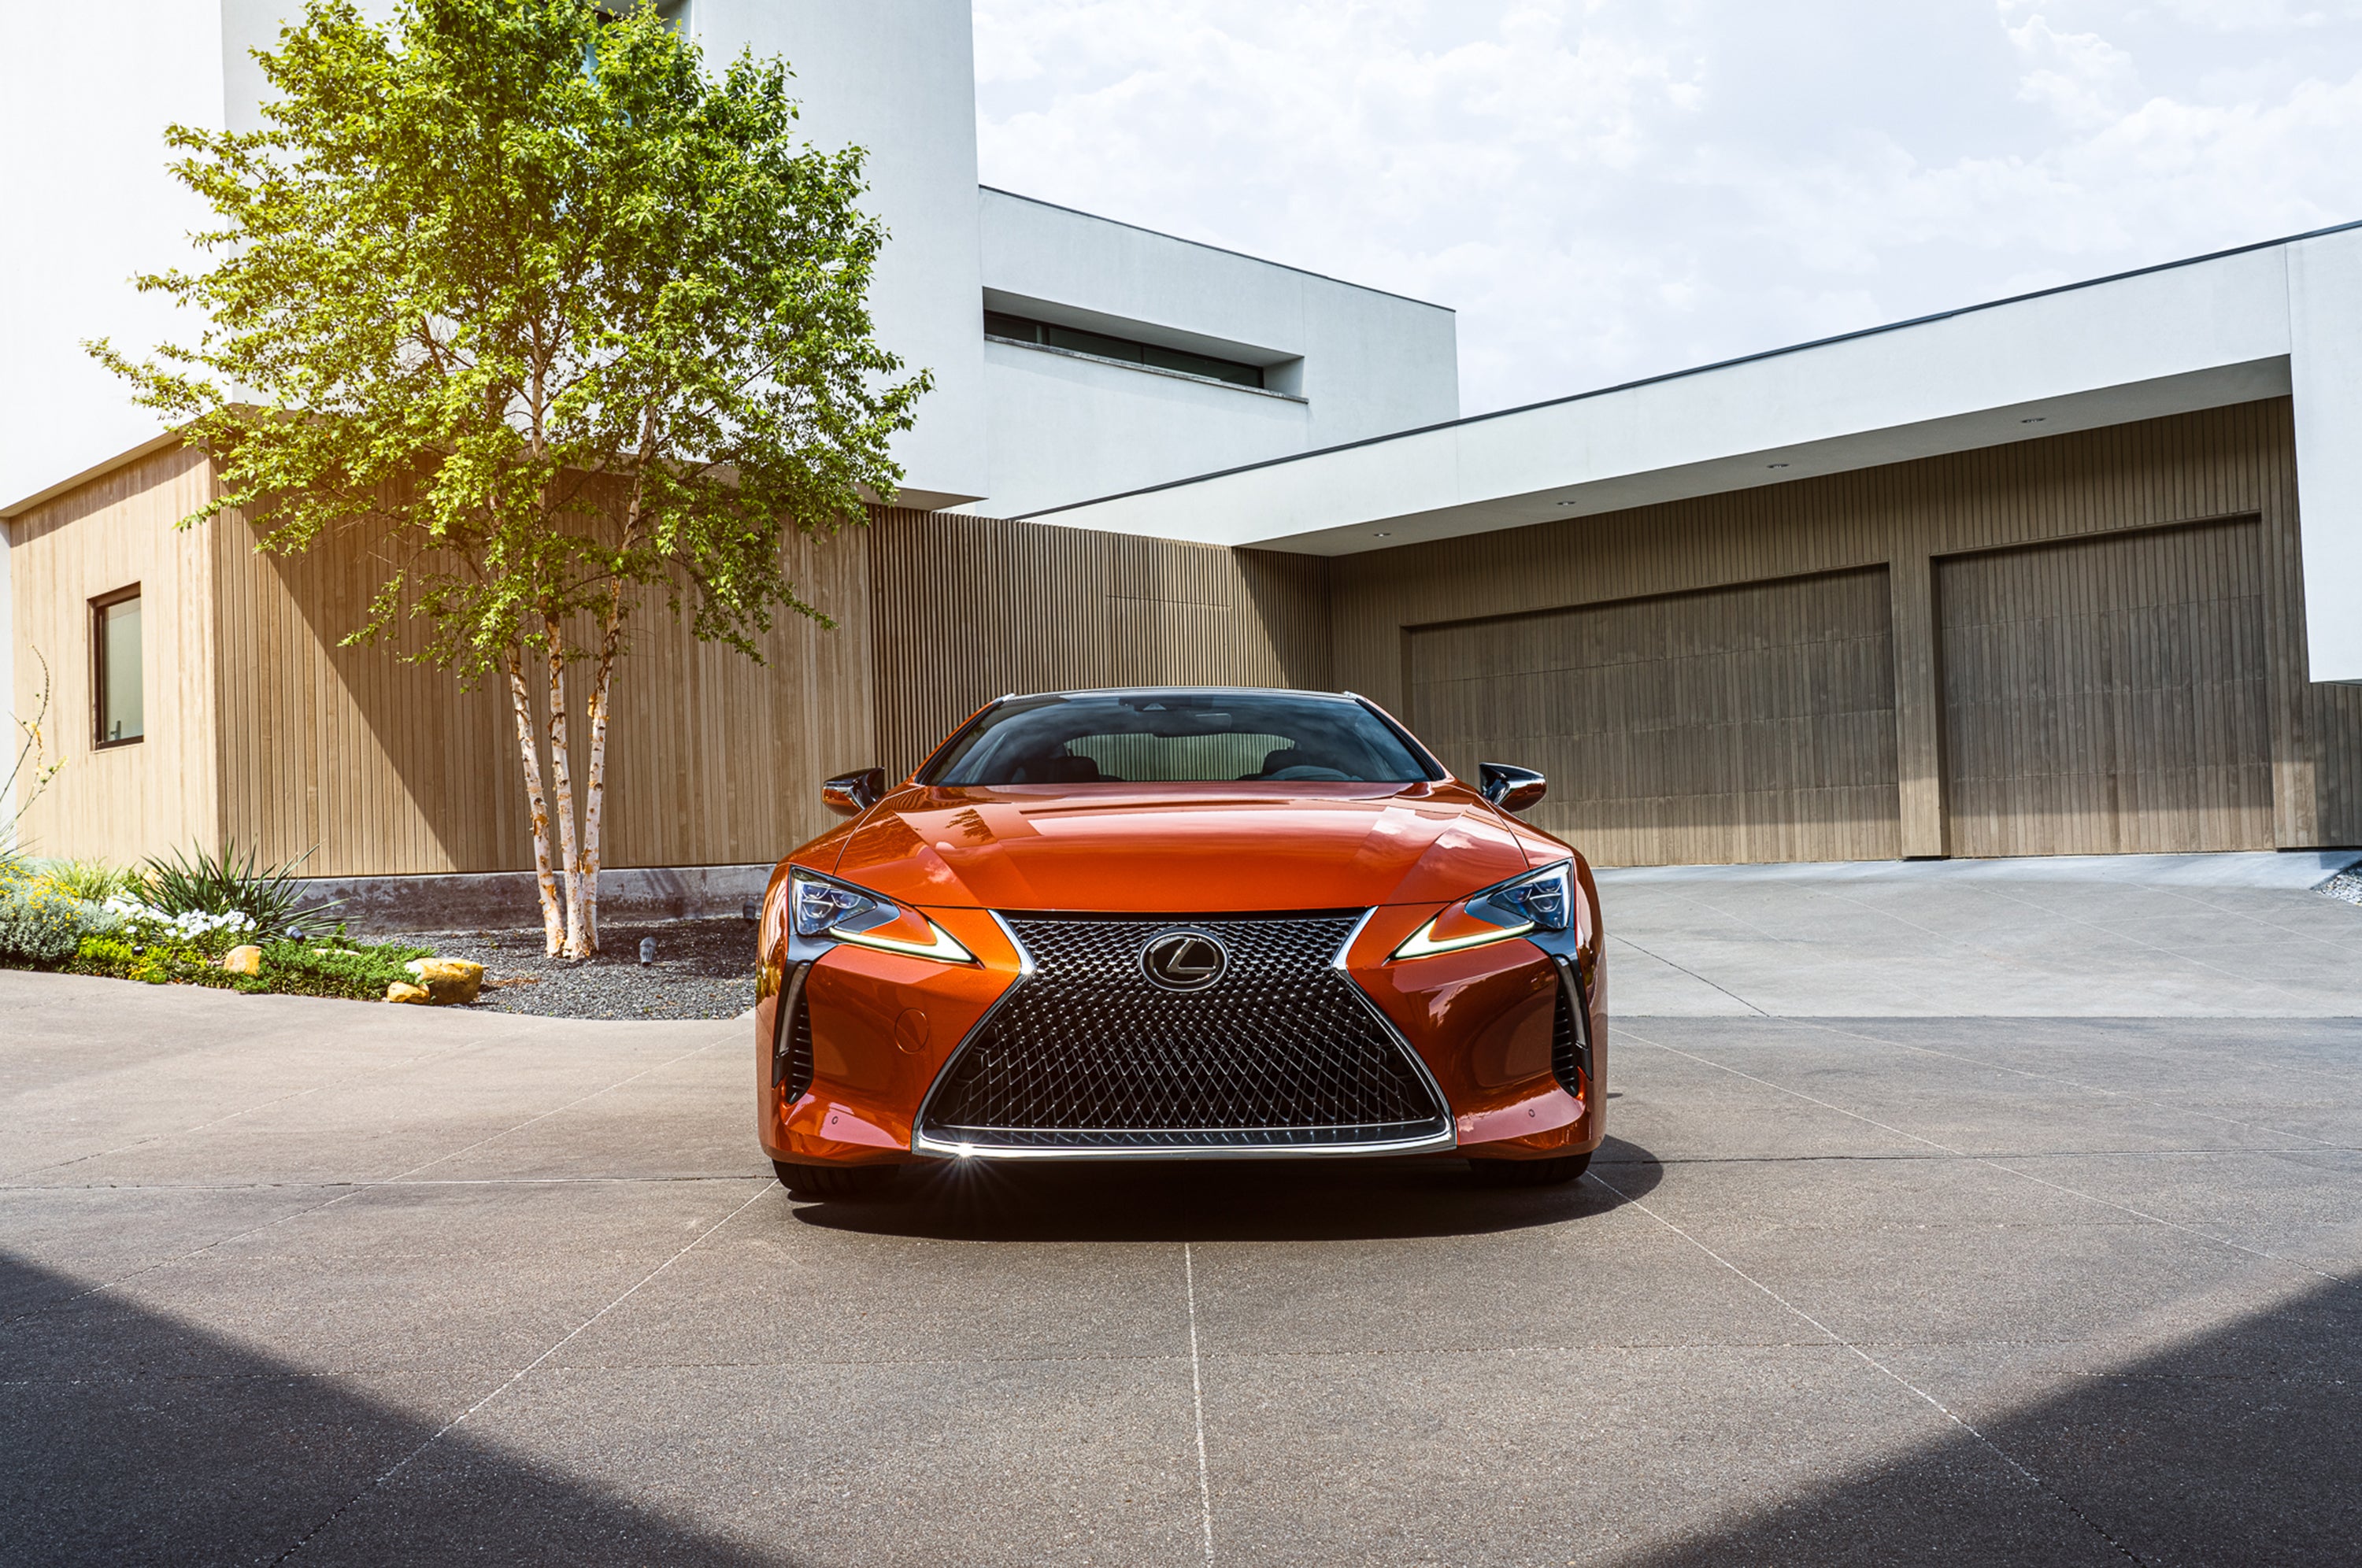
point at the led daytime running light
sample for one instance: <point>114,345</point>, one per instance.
<point>944,948</point>
<point>1422,943</point>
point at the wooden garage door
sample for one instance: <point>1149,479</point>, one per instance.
<point>1736,725</point>
<point>2108,695</point>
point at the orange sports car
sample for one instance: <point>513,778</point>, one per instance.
<point>1179,924</point>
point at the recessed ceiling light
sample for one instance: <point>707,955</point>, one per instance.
<point>1775,465</point>
<point>1381,533</point>
<point>2034,419</point>
<point>1566,503</point>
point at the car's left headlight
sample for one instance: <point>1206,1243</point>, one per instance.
<point>820,908</point>
<point>1538,901</point>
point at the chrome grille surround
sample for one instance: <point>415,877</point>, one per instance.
<point>1084,1056</point>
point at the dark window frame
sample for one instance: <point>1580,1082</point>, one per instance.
<point>98,609</point>
<point>1007,326</point>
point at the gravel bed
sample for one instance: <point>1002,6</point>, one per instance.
<point>2345,885</point>
<point>704,969</point>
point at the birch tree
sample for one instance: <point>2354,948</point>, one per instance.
<point>519,297</point>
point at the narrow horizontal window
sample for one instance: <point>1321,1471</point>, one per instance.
<point>1018,329</point>
<point>116,671</point>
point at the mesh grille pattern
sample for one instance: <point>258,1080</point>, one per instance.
<point>1281,1051</point>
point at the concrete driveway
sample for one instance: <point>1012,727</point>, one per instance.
<point>298,1281</point>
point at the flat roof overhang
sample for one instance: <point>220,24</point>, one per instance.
<point>2279,319</point>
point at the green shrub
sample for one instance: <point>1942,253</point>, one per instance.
<point>298,968</point>
<point>359,972</point>
<point>157,964</point>
<point>94,881</point>
<point>41,925</point>
<point>234,883</point>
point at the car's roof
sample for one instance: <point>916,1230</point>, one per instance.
<point>1179,691</point>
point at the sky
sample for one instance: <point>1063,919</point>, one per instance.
<point>1617,188</point>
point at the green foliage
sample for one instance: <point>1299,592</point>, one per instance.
<point>550,336</point>
<point>157,964</point>
<point>234,883</point>
<point>94,880</point>
<point>298,968</point>
<point>288,968</point>
<point>39,924</point>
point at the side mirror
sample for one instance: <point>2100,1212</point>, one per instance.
<point>1511,789</point>
<point>850,794</point>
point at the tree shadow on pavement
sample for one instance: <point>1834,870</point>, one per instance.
<point>1223,1200</point>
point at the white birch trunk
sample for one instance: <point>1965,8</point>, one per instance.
<point>562,782</point>
<point>595,793</point>
<point>553,921</point>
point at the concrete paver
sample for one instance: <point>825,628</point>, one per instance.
<point>2086,936</point>
<point>324,1283</point>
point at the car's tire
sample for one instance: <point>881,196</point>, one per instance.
<point>835,1181</point>
<point>1529,1173</point>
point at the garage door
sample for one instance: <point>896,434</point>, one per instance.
<point>1736,725</point>
<point>2108,695</point>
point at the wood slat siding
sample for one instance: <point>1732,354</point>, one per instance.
<point>379,767</point>
<point>2109,695</point>
<point>968,608</point>
<point>2221,464</point>
<point>262,732</point>
<point>115,531</point>
<point>1744,723</point>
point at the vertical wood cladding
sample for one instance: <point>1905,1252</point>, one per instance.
<point>965,608</point>
<point>102,536</point>
<point>1735,724</point>
<point>2109,695</point>
<point>1754,674</point>
<point>377,765</point>
<point>2217,466</point>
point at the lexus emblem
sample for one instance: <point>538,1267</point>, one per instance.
<point>1184,960</point>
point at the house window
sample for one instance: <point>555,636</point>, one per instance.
<point>1099,345</point>
<point>115,675</point>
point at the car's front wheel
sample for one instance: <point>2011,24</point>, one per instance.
<point>835,1181</point>
<point>1529,1173</point>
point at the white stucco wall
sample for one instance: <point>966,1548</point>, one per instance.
<point>1362,363</point>
<point>88,202</point>
<point>898,79</point>
<point>2325,295</point>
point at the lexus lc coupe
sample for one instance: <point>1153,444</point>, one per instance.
<point>1180,923</point>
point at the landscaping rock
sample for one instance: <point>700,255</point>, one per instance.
<point>704,968</point>
<point>451,981</point>
<point>246,959</point>
<point>418,996</point>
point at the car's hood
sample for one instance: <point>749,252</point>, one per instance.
<point>1170,848</point>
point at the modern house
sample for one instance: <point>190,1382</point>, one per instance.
<point>2073,573</point>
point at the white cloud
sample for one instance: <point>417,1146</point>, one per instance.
<point>1607,188</point>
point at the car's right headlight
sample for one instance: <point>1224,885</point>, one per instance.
<point>822,907</point>
<point>1538,901</point>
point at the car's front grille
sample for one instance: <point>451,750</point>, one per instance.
<point>1282,1051</point>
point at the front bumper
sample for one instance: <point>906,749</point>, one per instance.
<point>866,1056</point>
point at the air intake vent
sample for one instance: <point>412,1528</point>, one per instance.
<point>791,1053</point>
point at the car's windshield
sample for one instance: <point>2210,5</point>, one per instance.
<point>1176,737</point>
